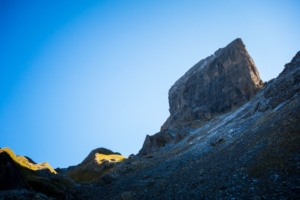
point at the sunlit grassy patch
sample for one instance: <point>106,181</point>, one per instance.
<point>112,158</point>
<point>94,166</point>
<point>24,162</point>
<point>38,176</point>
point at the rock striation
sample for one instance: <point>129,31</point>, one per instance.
<point>217,84</point>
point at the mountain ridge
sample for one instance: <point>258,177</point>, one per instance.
<point>247,151</point>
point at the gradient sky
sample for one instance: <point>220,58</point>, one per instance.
<point>78,75</point>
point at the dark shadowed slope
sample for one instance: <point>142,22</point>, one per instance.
<point>252,152</point>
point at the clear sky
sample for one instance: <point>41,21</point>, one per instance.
<point>78,75</point>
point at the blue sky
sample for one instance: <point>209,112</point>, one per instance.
<point>78,75</point>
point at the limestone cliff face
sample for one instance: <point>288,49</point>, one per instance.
<point>217,84</point>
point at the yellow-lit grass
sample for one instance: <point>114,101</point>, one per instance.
<point>99,158</point>
<point>54,186</point>
<point>24,162</point>
<point>94,168</point>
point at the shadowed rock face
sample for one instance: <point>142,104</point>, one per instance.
<point>217,84</point>
<point>10,176</point>
<point>20,172</point>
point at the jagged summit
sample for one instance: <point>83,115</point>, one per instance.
<point>219,83</point>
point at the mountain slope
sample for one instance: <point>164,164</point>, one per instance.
<point>245,148</point>
<point>252,152</point>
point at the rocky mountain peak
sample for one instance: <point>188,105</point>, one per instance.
<point>254,146</point>
<point>217,84</point>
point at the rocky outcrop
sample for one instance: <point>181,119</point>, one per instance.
<point>95,165</point>
<point>155,142</point>
<point>217,84</point>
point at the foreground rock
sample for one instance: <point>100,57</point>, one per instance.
<point>22,195</point>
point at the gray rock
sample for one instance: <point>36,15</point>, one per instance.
<point>219,83</point>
